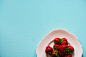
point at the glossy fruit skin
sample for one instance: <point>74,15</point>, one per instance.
<point>48,50</point>
<point>61,54</point>
<point>56,40</point>
<point>71,48</point>
<point>62,48</point>
<point>54,53</point>
<point>68,56</point>
<point>63,41</point>
<point>55,47</point>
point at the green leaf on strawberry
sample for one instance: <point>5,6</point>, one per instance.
<point>66,49</point>
<point>55,42</point>
<point>71,53</point>
<point>61,40</point>
<point>54,53</point>
<point>71,50</point>
<point>55,48</point>
<point>50,53</point>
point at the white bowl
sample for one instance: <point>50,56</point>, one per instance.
<point>47,40</point>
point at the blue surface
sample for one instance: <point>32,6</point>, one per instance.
<point>23,23</point>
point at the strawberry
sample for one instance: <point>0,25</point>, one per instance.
<point>63,41</point>
<point>68,55</point>
<point>54,53</point>
<point>61,54</point>
<point>56,40</point>
<point>55,47</point>
<point>48,50</point>
<point>70,50</point>
<point>63,48</point>
<point>60,48</point>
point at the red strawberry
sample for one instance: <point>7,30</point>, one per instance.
<point>68,55</point>
<point>54,53</point>
<point>63,47</point>
<point>48,50</point>
<point>59,47</point>
<point>70,50</point>
<point>56,40</point>
<point>63,41</point>
<point>55,47</point>
<point>61,54</point>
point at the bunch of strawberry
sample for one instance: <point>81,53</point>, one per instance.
<point>60,48</point>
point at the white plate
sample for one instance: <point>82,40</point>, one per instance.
<point>59,33</point>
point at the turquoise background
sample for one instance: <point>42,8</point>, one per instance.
<point>23,24</point>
